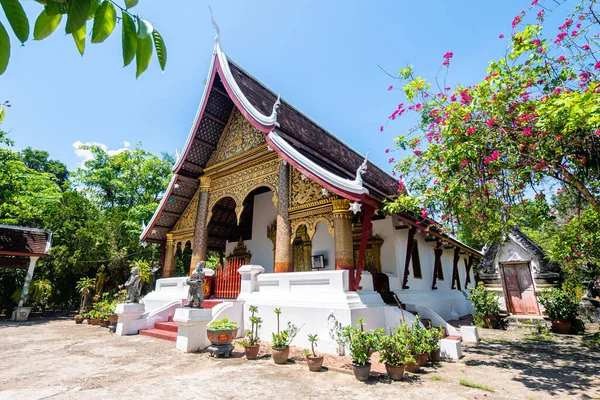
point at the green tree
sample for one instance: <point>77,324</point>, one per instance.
<point>95,19</point>
<point>39,161</point>
<point>478,152</point>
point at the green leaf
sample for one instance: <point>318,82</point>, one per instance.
<point>78,12</point>
<point>79,37</point>
<point>53,8</point>
<point>145,28</point>
<point>129,39</point>
<point>161,49</point>
<point>143,55</point>
<point>104,22</point>
<point>93,7</point>
<point>4,49</point>
<point>130,3</point>
<point>2,113</point>
<point>16,18</point>
<point>45,24</point>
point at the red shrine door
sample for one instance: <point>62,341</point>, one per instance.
<point>519,290</point>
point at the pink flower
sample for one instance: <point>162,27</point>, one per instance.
<point>597,65</point>
<point>387,151</point>
<point>560,37</point>
<point>446,62</point>
<point>501,36</point>
<point>561,58</point>
<point>390,88</point>
<point>381,128</point>
<point>417,152</point>
<point>491,122</point>
<point>597,133</point>
<point>495,155</point>
<point>464,163</point>
<point>471,130</point>
<point>574,33</point>
<point>516,21</point>
<point>534,2</point>
<point>585,47</point>
<point>424,213</point>
<point>391,160</point>
<point>448,54</point>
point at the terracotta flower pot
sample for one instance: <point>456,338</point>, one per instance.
<point>434,356</point>
<point>79,319</point>
<point>104,323</point>
<point>412,367</point>
<point>490,321</point>
<point>314,363</point>
<point>423,359</point>
<point>563,326</point>
<point>251,351</point>
<point>395,372</point>
<point>280,356</point>
<point>113,319</point>
<point>89,321</point>
<point>95,321</point>
<point>221,337</point>
<point>361,372</point>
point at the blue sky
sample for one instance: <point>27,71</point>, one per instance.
<point>321,55</point>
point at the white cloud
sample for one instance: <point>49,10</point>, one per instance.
<point>86,155</point>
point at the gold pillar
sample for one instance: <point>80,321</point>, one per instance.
<point>283,253</point>
<point>342,235</point>
<point>200,242</point>
<point>170,265</point>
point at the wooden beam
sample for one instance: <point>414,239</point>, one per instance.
<point>215,118</point>
<point>180,198</point>
<point>455,273</point>
<point>170,214</point>
<point>222,93</point>
<point>188,181</point>
<point>410,244</point>
<point>403,227</point>
<point>437,264</point>
<point>204,143</point>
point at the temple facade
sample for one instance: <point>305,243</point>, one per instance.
<point>259,183</point>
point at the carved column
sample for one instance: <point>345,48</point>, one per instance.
<point>200,243</point>
<point>169,261</point>
<point>342,235</point>
<point>283,252</point>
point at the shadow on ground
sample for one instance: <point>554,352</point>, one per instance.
<point>30,322</point>
<point>559,367</point>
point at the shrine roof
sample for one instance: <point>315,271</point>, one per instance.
<point>21,241</point>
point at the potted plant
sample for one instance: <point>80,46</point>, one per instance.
<point>407,333</point>
<point>314,362</point>
<point>434,335</point>
<point>486,307</point>
<point>84,286</point>
<point>94,317</point>
<point>561,306</point>
<point>221,333</point>
<point>394,352</point>
<point>360,344</point>
<point>282,340</point>
<point>251,342</point>
<point>79,318</point>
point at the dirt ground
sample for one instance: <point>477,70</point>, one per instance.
<point>60,360</point>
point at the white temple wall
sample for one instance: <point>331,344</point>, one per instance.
<point>260,246</point>
<point>384,228</point>
<point>324,244</point>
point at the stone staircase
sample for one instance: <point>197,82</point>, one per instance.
<point>525,322</point>
<point>168,330</point>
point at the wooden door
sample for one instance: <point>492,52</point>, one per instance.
<point>520,292</point>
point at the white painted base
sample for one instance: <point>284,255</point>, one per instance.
<point>449,304</point>
<point>450,349</point>
<point>21,313</point>
<point>469,334</point>
<point>129,318</point>
<point>191,332</point>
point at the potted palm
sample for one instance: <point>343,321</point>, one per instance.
<point>486,307</point>
<point>394,352</point>
<point>561,306</point>
<point>251,342</point>
<point>84,286</point>
<point>360,344</point>
<point>407,333</point>
<point>314,362</point>
<point>282,340</point>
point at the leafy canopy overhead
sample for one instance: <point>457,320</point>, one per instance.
<point>530,127</point>
<point>139,38</point>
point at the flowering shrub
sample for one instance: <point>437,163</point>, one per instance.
<point>559,303</point>
<point>532,123</point>
<point>484,302</point>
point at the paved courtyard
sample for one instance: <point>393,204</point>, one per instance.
<point>60,360</point>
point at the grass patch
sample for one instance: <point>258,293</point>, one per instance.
<point>464,382</point>
<point>499,340</point>
<point>591,340</point>
<point>436,378</point>
<point>539,337</point>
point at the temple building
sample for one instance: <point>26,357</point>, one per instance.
<point>260,183</point>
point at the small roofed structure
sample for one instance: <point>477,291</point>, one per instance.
<point>21,247</point>
<point>517,269</point>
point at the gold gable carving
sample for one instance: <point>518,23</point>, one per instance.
<point>238,137</point>
<point>188,218</point>
<point>304,192</point>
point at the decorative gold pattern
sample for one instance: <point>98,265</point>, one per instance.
<point>204,183</point>
<point>372,262</point>
<point>238,137</point>
<point>303,192</point>
<point>188,218</point>
<point>311,221</point>
<point>302,250</point>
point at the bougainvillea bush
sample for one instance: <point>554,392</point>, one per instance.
<point>530,128</point>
